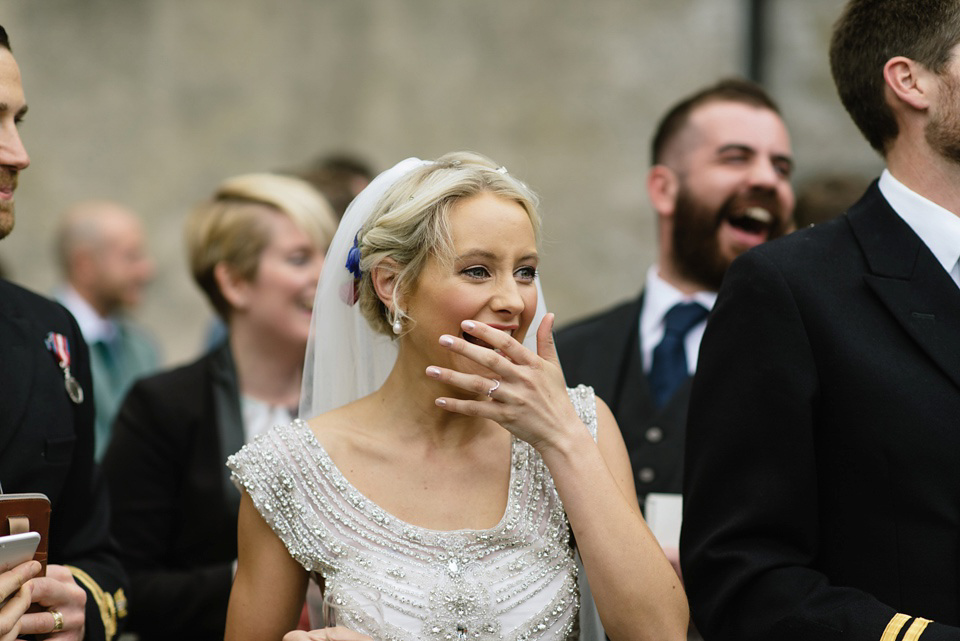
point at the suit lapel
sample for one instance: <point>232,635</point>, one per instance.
<point>226,398</point>
<point>16,365</point>
<point>633,399</point>
<point>909,281</point>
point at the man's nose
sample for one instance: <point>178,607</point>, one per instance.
<point>12,152</point>
<point>763,173</point>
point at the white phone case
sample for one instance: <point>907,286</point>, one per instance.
<point>17,548</point>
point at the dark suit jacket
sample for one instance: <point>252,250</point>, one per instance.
<point>823,487</point>
<point>604,352</point>
<point>46,441</point>
<point>175,510</point>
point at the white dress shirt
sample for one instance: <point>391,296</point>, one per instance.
<point>93,326</point>
<point>938,228</point>
<point>659,297</point>
<point>258,417</point>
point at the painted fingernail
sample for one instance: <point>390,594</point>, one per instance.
<point>433,372</point>
<point>468,325</point>
<point>446,340</point>
<point>441,402</point>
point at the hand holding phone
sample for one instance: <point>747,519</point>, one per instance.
<point>15,551</point>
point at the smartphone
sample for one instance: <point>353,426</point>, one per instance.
<point>17,548</point>
<point>28,512</point>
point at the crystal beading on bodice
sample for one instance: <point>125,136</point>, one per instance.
<point>515,581</point>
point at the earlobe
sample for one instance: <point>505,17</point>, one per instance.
<point>662,188</point>
<point>908,82</point>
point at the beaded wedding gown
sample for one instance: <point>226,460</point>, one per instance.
<point>516,581</point>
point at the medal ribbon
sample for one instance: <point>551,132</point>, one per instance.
<point>60,347</point>
<point>57,343</point>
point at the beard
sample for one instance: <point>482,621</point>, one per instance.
<point>8,180</point>
<point>6,219</point>
<point>942,132</point>
<point>696,239</point>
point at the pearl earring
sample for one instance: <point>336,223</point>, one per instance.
<point>397,325</point>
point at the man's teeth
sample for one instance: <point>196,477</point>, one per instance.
<point>758,214</point>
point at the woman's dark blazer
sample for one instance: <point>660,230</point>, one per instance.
<point>174,508</point>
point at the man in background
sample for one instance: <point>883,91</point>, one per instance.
<point>825,196</point>
<point>719,184</point>
<point>46,437</point>
<point>103,255</point>
<point>822,491</point>
<point>339,177</point>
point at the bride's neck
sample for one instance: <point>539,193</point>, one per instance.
<point>408,400</point>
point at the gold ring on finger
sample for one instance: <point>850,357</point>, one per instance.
<point>57,620</point>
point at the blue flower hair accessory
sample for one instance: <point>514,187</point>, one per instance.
<point>350,292</point>
<point>353,258</point>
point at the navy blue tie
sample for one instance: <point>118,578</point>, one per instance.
<point>669,368</point>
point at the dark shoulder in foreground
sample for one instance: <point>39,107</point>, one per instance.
<point>821,242</point>
<point>816,254</point>
<point>18,300</point>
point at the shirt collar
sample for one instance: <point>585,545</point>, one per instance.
<point>938,228</point>
<point>93,326</point>
<point>659,296</point>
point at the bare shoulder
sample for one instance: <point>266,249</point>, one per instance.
<point>348,430</point>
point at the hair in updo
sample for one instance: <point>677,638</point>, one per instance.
<point>411,223</point>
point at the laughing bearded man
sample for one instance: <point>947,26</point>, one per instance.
<point>720,185</point>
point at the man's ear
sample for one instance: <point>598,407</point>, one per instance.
<point>384,278</point>
<point>233,288</point>
<point>662,187</point>
<point>908,82</point>
<point>83,266</point>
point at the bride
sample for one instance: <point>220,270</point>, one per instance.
<point>447,465</point>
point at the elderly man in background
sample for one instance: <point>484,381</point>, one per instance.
<point>103,255</point>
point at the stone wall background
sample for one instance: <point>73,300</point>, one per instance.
<point>152,103</point>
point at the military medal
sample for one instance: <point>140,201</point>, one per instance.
<point>60,348</point>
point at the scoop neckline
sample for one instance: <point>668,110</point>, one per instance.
<point>349,487</point>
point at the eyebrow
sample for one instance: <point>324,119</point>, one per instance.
<point>788,160</point>
<point>482,253</point>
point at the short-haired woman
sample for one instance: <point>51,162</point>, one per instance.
<point>255,249</point>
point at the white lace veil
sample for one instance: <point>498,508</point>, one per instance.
<point>346,359</point>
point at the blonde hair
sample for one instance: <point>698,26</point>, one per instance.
<point>411,223</point>
<point>230,227</point>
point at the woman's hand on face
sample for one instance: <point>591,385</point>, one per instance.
<point>526,393</point>
<point>326,634</point>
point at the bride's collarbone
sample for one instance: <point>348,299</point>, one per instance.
<point>443,489</point>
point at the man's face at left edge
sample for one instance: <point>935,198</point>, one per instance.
<point>13,155</point>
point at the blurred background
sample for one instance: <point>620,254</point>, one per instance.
<point>153,103</point>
